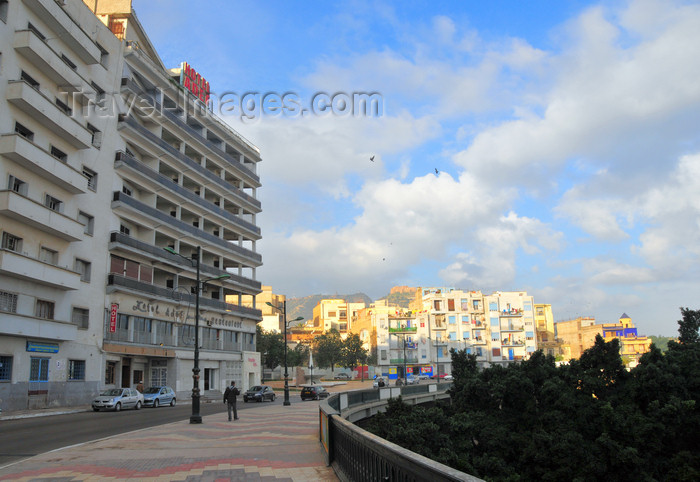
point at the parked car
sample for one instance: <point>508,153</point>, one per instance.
<point>156,396</point>
<point>259,393</point>
<point>422,376</point>
<point>342,376</point>
<point>444,376</point>
<point>118,398</point>
<point>379,382</point>
<point>313,392</point>
<point>411,380</point>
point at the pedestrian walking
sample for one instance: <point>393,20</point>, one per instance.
<point>230,395</point>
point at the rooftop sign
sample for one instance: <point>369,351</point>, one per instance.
<point>195,83</point>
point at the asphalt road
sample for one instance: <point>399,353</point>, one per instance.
<point>26,437</point>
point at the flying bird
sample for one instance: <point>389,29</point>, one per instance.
<point>371,158</point>
<point>436,171</point>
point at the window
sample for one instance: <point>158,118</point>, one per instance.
<point>5,368</point>
<point>17,185</point>
<point>80,317</point>
<point>23,131</point>
<point>104,55</point>
<point>76,369</point>
<point>530,335</point>
<point>465,335</point>
<point>11,242</point>
<point>88,221</point>
<point>495,336</point>
<point>29,79</point>
<point>3,10</point>
<point>8,302</point>
<point>493,306</point>
<point>450,304</point>
<point>52,203</point>
<point>383,353</point>
<point>96,135</point>
<point>44,309</point>
<point>110,370</point>
<point>39,370</point>
<point>452,319</point>
<point>83,267</point>
<point>92,178</point>
<point>124,230</point>
<point>465,319</point>
<point>36,31</point>
<point>64,107</point>
<point>99,93</point>
<point>69,62</point>
<point>59,154</point>
<point>126,190</point>
<point>48,255</point>
<point>494,321</point>
<point>496,352</point>
<point>452,336</point>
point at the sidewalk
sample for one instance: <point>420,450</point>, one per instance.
<point>268,443</point>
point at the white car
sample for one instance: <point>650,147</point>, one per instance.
<point>118,398</point>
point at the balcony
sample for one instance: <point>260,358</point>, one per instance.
<point>27,154</point>
<point>510,342</point>
<point>129,207</point>
<point>122,242</point>
<point>157,182</point>
<point>403,329</point>
<point>512,312</point>
<point>513,327</point>
<point>37,328</point>
<point>141,134</point>
<point>440,326</point>
<point>31,213</point>
<point>25,97</point>
<point>66,29</point>
<point>478,341</point>
<point>401,361</point>
<point>128,285</point>
<point>194,137</point>
<point>21,266</point>
<point>43,57</point>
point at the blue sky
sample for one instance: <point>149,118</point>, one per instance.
<point>566,138</point>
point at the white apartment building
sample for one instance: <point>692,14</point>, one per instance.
<point>497,328</point>
<point>107,158</point>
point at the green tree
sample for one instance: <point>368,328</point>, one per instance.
<point>353,354</point>
<point>327,349</point>
<point>270,345</point>
<point>688,327</point>
<point>299,356</point>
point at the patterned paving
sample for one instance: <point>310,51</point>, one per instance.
<point>269,443</point>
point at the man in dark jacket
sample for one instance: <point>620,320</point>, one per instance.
<point>230,395</point>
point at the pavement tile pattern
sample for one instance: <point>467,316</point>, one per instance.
<point>267,443</point>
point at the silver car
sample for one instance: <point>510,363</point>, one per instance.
<point>155,396</point>
<point>117,399</point>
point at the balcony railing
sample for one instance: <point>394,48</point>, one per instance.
<point>248,255</point>
<point>404,329</point>
<point>512,312</point>
<point>253,204</point>
<point>396,361</point>
<point>243,283</point>
<point>118,281</point>
<point>249,228</point>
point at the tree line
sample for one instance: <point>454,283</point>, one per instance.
<point>591,419</point>
<point>329,350</point>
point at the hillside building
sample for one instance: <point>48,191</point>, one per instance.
<point>109,159</point>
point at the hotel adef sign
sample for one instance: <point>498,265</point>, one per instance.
<point>194,83</point>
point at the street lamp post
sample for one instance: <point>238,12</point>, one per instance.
<point>196,417</point>
<point>286,375</point>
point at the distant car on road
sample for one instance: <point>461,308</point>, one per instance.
<point>411,380</point>
<point>313,392</point>
<point>118,398</point>
<point>422,377</point>
<point>259,393</point>
<point>156,396</point>
<point>342,376</point>
<point>444,376</point>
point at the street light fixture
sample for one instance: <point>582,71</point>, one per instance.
<point>286,375</point>
<point>196,417</point>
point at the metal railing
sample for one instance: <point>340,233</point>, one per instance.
<point>357,455</point>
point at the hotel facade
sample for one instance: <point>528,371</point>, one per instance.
<point>121,195</point>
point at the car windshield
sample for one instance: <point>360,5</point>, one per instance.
<point>256,388</point>
<point>152,390</point>
<point>112,392</point>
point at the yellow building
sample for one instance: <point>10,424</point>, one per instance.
<point>335,314</point>
<point>632,346</point>
<point>577,335</point>
<point>544,326</point>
